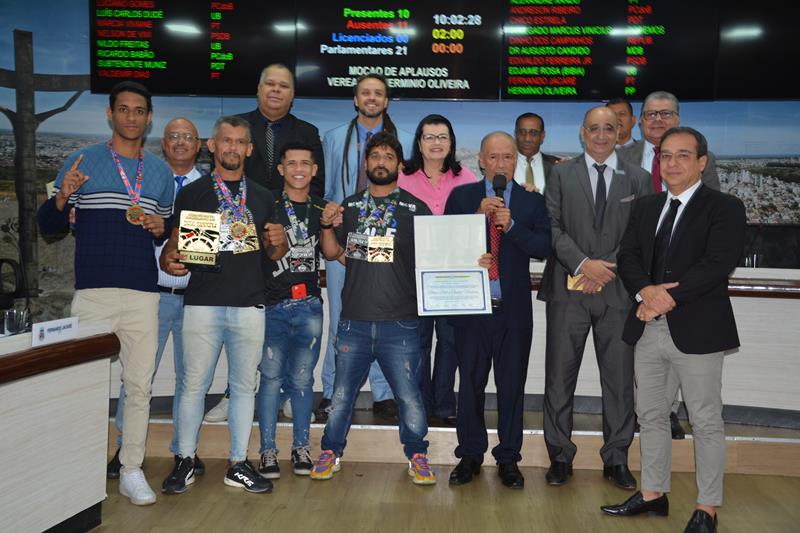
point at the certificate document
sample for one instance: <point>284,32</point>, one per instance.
<point>449,280</point>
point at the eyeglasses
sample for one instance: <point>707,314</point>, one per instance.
<point>174,137</point>
<point>442,138</point>
<point>683,156</point>
<point>665,114</point>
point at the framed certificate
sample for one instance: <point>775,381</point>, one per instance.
<point>449,280</point>
<point>453,291</point>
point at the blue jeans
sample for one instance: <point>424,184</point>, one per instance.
<point>394,344</point>
<point>438,392</point>
<point>334,275</point>
<point>291,351</point>
<point>205,330</point>
<point>170,319</point>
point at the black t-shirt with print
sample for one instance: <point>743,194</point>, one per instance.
<point>238,279</point>
<point>279,279</point>
<point>382,291</point>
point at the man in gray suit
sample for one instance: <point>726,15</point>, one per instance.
<point>660,112</point>
<point>588,199</point>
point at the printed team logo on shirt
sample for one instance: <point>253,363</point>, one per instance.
<point>411,207</point>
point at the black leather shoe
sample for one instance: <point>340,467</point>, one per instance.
<point>701,522</point>
<point>386,409</point>
<point>464,471</point>
<point>113,467</point>
<point>199,466</point>
<point>511,476</point>
<point>677,430</point>
<point>636,504</point>
<point>558,473</point>
<point>620,475</point>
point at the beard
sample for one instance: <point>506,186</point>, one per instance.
<point>381,180</point>
<point>231,165</point>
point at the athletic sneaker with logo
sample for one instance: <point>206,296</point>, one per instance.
<point>181,476</point>
<point>244,476</point>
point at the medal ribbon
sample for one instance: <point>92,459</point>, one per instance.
<point>233,207</point>
<point>379,217</point>
<point>134,193</point>
<point>300,228</point>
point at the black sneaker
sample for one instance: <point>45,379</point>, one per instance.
<point>112,469</point>
<point>302,463</point>
<point>199,466</point>
<point>322,410</point>
<point>181,475</point>
<point>244,476</point>
<point>268,465</point>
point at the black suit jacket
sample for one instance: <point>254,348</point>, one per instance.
<point>528,237</point>
<point>292,129</point>
<point>706,246</point>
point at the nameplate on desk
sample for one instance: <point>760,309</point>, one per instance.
<point>52,331</point>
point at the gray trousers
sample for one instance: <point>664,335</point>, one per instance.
<point>568,325</point>
<point>700,378</point>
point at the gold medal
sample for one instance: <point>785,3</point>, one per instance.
<point>238,231</point>
<point>135,214</point>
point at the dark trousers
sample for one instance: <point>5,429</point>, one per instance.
<point>484,342</point>
<point>438,389</point>
<point>568,324</point>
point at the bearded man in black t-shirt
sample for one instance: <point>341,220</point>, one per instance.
<point>372,233</point>
<point>224,302</point>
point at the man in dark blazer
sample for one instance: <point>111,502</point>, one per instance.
<point>675,258</point>
<point>275,95</point>
<point>660,112</point>
<point>533,166</point>
<point>589,199</point>
<point>518,226</point>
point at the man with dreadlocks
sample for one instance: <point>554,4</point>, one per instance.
<point>345,166</point>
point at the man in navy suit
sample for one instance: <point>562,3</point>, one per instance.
<point>518,228</point>
<point>674,259</point>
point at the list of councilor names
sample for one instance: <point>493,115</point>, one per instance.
<point>441,50</point>
<point>582,50</point>
<point>188,46</point>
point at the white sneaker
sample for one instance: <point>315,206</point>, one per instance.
<point>286,407</point>
<point>133,484</point>
<point>218,413</point>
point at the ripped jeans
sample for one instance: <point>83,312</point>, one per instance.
<point>395,345</point>
<point>291,350</point>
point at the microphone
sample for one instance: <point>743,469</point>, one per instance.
<point>499,183</point>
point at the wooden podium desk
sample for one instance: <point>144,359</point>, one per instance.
<point>54,430</point>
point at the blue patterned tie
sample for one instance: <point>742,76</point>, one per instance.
<point>179,181</point>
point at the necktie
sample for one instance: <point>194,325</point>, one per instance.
<point>362,165</point>
<point>179,181</point>
<point>663,237</point>
<point>599,196</point>
<point>494,249</point>
<point>529,174</point>
<point>269,138</point>
<point>655,169</point>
